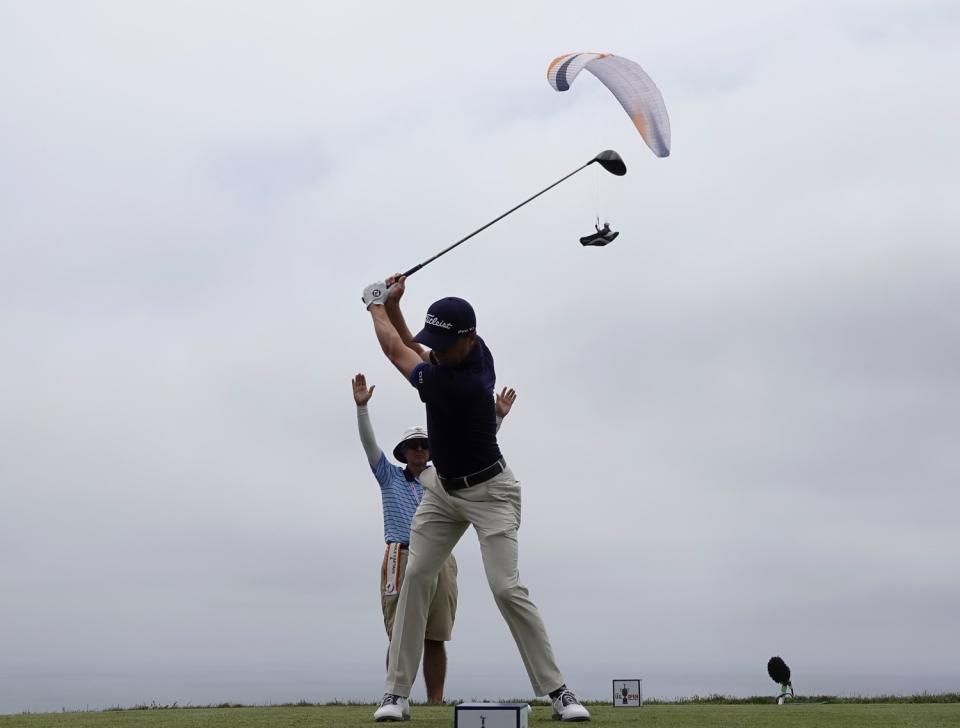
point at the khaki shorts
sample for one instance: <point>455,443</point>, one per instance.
<point>443,608</point>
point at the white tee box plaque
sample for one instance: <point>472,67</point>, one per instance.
<point>491,715</point>
<point>628,693</point>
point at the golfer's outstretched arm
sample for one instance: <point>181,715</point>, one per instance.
<point>399,354</point>
<point>397,285</point>
<point>362,395</point>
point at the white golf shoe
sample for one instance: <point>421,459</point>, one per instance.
<point>392,707</point>
<point>567,708</point>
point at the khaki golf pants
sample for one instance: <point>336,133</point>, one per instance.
<point>443,606</point>
<point>493,508</point>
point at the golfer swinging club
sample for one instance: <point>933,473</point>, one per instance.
<point>401,493</point>
<point>470,484</point>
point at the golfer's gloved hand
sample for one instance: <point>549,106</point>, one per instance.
<point>375,294</point>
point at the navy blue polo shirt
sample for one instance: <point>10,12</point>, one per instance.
<point>461,414</point>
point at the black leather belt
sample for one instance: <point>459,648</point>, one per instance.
<point>467,481</point>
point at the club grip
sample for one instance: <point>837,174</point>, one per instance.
<point>409,272</point>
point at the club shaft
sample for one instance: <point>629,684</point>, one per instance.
<point>497,219</point>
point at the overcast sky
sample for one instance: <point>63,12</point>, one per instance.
<point>734,424</point>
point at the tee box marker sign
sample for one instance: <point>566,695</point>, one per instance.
<point>491,715</point>
<point>628,693</point>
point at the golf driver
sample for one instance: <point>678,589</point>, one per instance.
<point>609,160</point>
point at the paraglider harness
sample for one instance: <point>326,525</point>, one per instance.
<point>603,236</point>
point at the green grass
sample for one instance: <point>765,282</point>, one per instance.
<point>691,714</point>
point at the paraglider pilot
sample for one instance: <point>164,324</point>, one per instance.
<point>603,235</point>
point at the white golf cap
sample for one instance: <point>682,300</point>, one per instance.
<point>412,433</point>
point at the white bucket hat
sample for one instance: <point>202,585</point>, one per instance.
<point>413,433</point>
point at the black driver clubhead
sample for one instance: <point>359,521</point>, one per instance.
<point>612,162</point>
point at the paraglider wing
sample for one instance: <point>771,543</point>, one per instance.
<point>629,83</point>
<point>563,69</point>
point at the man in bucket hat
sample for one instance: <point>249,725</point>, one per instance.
<point>401,493</point>
<point>470,484</point>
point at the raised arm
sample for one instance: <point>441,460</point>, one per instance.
<point>362,395</point>
<point>505,401</point>
<point>397,285</point>
<point>400,355</point>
